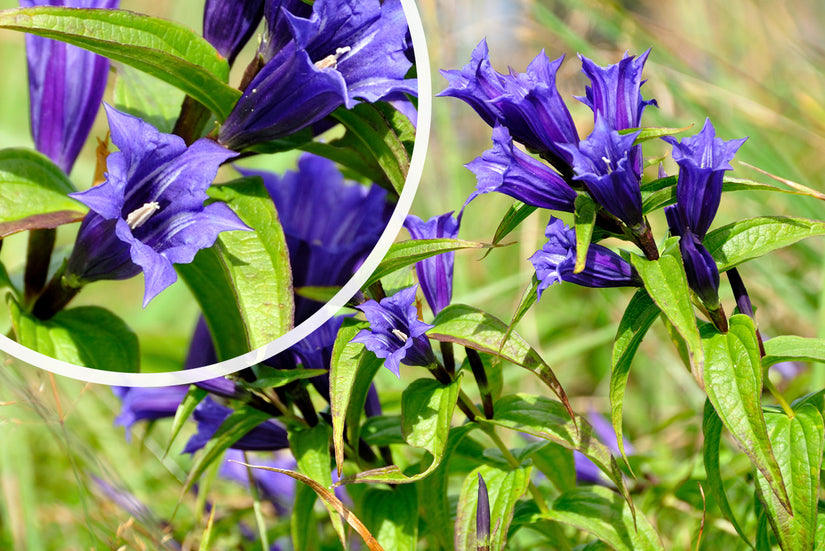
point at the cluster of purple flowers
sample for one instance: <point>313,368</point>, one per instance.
<point>149,212</point>
<point>527,108</point>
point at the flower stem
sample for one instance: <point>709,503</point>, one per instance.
<point>192,120</point>
<point>448,357</point>
<point>55,296</point>
<point>786,407</point>
<point>38,256</point>
<point>481,379</point>
<point>646,242</point>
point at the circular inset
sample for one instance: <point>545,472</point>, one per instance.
<point>322,314</point>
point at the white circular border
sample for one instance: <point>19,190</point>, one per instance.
<point>422,135</point>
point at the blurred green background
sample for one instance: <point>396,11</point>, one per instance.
<point>755,68</point>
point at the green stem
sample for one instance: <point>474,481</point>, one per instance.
<point>786,407</point>
<point>38,256</point>
<point>55,296</point>
<point>256,505</point>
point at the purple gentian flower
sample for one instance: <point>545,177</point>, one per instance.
<point>508,170</point>
<point>703,160</point>
<point>602,162</point>
<point>555,262</point>
<point>66,84</point>
<point>209,415</point>
<point>331,225</point>
<point>228,24</point>
<point>149,213</point>
<point>147,404</point>
<point>700,268</point>
<point>346,52</point>
<point>614,93</point>
<point>482,515</point>
<point>395,332</point>
<point>435,274</point>
<point>278,32</point>
<point>528,103</point>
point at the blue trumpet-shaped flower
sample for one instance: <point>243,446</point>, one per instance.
<point>66,84</point>
<point>149,213</point>
<point>228,24</point>
<point>703,160</point>
<point>614,93</point>
<point>395,332</point>
<point>209,415</point>
<point>435,274</point>
<point>277,32</point>
<point>700,268</point>
<point>556,261</point>
<point>508,170</point>
<point>330,224</point>
<point>528,103</point>
<point>345,52</point>
<point>147,404</point>
<point>602,162</point>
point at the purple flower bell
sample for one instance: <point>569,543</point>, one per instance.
<point>228,24</point>
<point>331,225</point>
<point>614,93</point>
<point>277,32</point>
<point>347,51</point>
<point>209,415</point>
<point>506,169</point>
<point>395,332</point>
<point>435,274</point>
<point>556,261</point>
<point>66,84</point>
<point>603,163</point>
<point>147,404</point>
<point>149,213</point>
<point>528,103</point>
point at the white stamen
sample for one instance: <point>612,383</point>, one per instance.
<point>141,215</point>
<point>400,334</point>
<point>332,59</point>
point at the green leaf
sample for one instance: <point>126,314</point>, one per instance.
<point>88,336</point>
<point>383,430</point>
<point>269,377</point>
<point>194,397</point>
<point>378,143</point>
<point>820,532</point>
<point>34,193</point>
<point>548,419</point>
<point>636,321</point>
<point>147,98</point>
<point>712,430</point>
<point>208,279</point>
<point>667,285</point>
<point>302,522</point>
<point>351,372</point>
<point>426,411</point>
<point>392,516</point>
<point>257,262</point>
<point>239,422</point>
<point>651,133</point>
<point>733,382</point>
<point>473,328</point>
<point>310,446</point>
<point>585,221</point>
<point>798,446</point>
<point>163,49</point>
<point>406,253</point>
<point>514,216</point>
<point>745,240</point>
<point>504,488</point>
<point>792,348</point>
<point>5,280</point>
<point>433,491</point>
<point>602,513</point>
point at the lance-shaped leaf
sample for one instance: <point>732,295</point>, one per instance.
<point>392,514</point>
<point>163,49</point>
<point>667,285</point>
<point>88,336</point>
<point>602,513</point>
<point>548,419</point>
<point>745,240</point>
<point>504,488</point>
<point>34,193</point>
<point>311,450</point>
<point>637,319</point>
<point>426,412</point>
<point>790,348</point>
<point>797,443</point>
<point>712,431</point>
<point>514,216</point>
<point>585,222</point>
<point>407,253</point>
<point>471,327</point>
<point>733,382</point>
